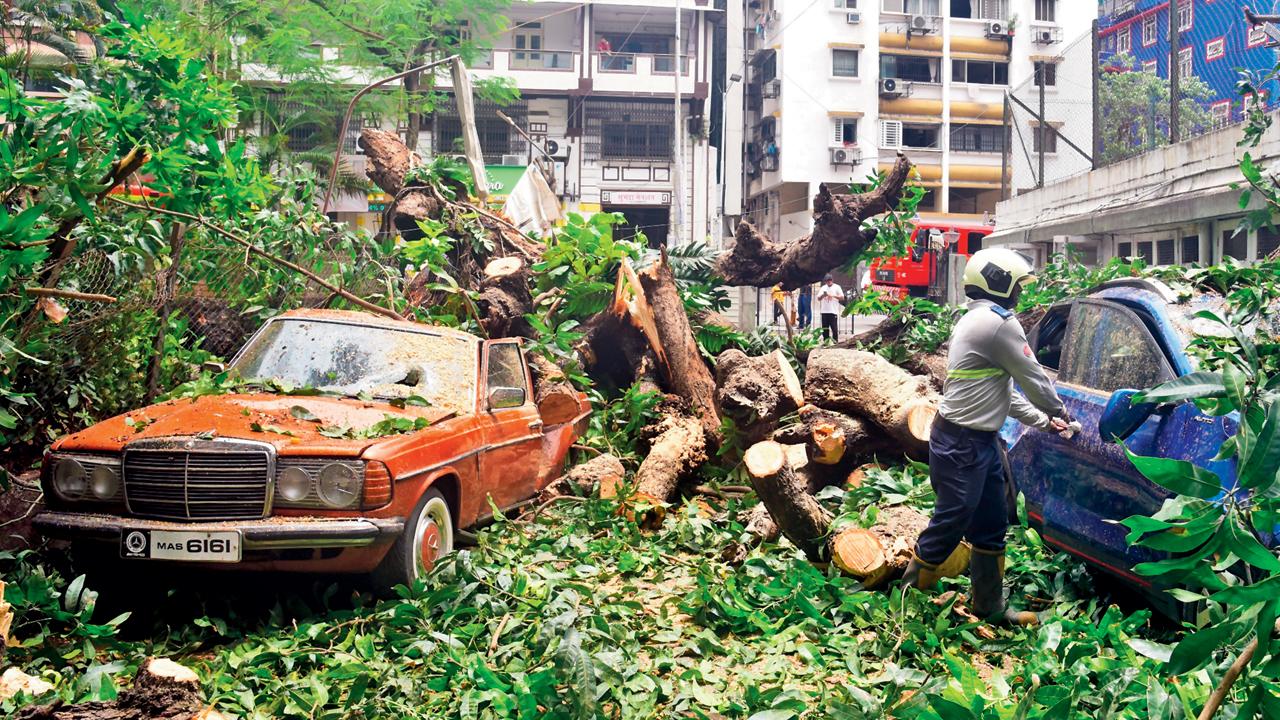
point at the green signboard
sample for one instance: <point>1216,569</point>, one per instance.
<point>503,178</point>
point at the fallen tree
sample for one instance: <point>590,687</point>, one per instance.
<point>162,690</point>
<point>865,384</point>
<point>756,392</point>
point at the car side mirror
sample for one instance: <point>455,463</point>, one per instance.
<point>506,397</point>
<point>1121,417</point>
<point>213,367</point>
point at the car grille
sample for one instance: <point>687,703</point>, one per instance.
<point>198,479</point>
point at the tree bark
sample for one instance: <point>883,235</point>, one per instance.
<point>679,360</point>
<point>678,448</point>
<point>863,383</point>
<point>389,162</point>
<point>602,472</point>
<point>555,396</point>
<point>505,299</point>
<point>837,236</point>
<point>802,519</point>
<point>874,555</point>
<point>756,392</point>
<point>162,690</point>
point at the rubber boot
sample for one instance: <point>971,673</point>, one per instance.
<point>986,572</point>
<point>922,575</point>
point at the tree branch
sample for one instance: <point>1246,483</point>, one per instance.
<point>254,249</point>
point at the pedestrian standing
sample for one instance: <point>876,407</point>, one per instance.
<point>830,304</point>
<point>806,306</point>
<point>988,352</point>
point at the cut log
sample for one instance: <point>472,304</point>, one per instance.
<point>876,554</point>
<point>555,396</point>
<point>756,392</point>
<point>678,448</point>
<point>6,620</point>
<point>833,438</point>
<point>865,384</point>
<point>505,299</point>
<point>802,519</point>
<point>679,359</point>
<point>14,681</point>
<point>858,477</point>
<point>826,442</point>
<point>603,472</point>
<point>837,236</point>
<point>162,690</point>
<point>389,161</point>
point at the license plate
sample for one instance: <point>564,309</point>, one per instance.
<point>885,275</point>
<point>221,546</point>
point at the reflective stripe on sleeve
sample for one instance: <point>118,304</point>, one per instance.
<point>976,374</point>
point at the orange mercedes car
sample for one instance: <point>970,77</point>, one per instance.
<point>361,445</point>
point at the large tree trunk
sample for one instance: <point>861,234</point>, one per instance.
<point>505,299</point>
<point>604,473</point>
<point>756,392</point>
<point>679,359</point>
<point>802,519</point>
<point>863,383</point>
<point>679,446</point>
<point>555,396</point>
<point>162,690</point>
<point>389,161</point>
<point>837,236</point>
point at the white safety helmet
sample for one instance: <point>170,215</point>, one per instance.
<point>997,271</point>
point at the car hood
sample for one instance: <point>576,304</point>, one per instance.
<point>275,419</point>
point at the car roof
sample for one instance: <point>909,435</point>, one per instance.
<point>367,319</point>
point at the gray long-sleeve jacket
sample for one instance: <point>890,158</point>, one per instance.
<point>988,352</point>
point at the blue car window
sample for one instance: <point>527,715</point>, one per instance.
<point>1111,349</point>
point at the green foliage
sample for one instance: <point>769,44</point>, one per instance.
<point>923,324</point>
<point>615,424</point>
<point>1135,108</point>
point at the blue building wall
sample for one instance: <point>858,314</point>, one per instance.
<point>1213,22</point>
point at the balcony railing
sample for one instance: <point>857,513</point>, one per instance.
<point>613,62</point>
<point>522,59</point>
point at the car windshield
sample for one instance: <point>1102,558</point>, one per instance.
<point>356,360</point>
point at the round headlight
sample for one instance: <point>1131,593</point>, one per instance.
<point>104,482</point>
<point>339,486</point>
<point>294,484</point>
<point>69,479</point>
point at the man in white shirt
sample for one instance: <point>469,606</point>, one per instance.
<point>830,298</point>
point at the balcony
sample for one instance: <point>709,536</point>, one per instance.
<point>641,73</point>
<point>530,69</point>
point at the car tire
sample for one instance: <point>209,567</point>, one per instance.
<point>428,536</point>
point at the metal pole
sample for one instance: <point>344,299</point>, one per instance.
<point>1042,130</point>
<point>470,136</point>
<point>677,140</point>
<point>1175,131</point>
<point>346,119</point>
<point>1097,108</point>
<point>1006,148</point>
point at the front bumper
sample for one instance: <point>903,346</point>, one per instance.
<point>278,533</point>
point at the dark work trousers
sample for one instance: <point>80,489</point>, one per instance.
<point>806,311</point>
<point>967,474</point>
<point>830,331</point>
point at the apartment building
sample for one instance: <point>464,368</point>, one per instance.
<point>837,87</point>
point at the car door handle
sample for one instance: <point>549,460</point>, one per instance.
<point>535,424</point>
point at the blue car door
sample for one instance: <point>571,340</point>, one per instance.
<point>1078,488</point>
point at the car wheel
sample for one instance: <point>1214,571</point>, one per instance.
<point>427,537</point>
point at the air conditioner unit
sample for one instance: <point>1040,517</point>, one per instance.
<point>920,25</point>
<point>556,148</point>
<point>853,17</point>
<point>890,134</point>
<point>1046,35</point>
<point>512,160</point>
<point>997,29</point>
<point>771,89</point>
<point>841,155</point>
<point>894,88</point>
<point>769,163</point>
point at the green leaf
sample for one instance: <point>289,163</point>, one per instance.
<point>303,413</point>
<point>1241,541</point>
<point>1259,465</point>
<point>1197,647</point>
<point>1236,383</point>
<point>1178,476</point>
<point>1188,387</point>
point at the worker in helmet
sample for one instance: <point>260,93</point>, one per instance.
<point>988,353</point>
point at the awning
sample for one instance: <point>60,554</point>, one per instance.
<point>914,119</point>
<point>979,56</point>
<point>845,113</point>
<point>955,121</point>
<point>846,45</point>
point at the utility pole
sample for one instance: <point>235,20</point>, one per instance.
<point>677,140</point>
<point>1043,130</point>
<point>1175,70</point>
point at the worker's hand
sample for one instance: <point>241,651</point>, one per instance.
<point>1057,425</point>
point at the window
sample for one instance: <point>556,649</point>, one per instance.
<point>1220,112</point>
<point>972,201</point>
<point>891,134</point>
<point>845,131</point>
<point>1149,34</point>
<point>506,368</point>
<point>980,9</point>
<point>1044,136</point>
<point>975,241</point>
<point>1184,63</point>
<point>1124,40</point>
<point>846,4</point>
<point>1186,10</point>
<point>1111,349</point>
<point>636,140</point>
<point>844,63</point>
<point>1124,250</point>
<point>977,138</point>
<point>909,67</point>
<point>496,137</point>
<point>1164,252</point>
<point>769,67</point>
<point>1235,245</point>
<point>1268,241</point>
<point>982,72</point>
<point>920,136</point>
<point>1050,72</point>
<point>1151,66</point>
<point>913,7</point>
<point>528,37</point>
<point>1190,249</point>
<point>1215,49</point>
<point>1046,10</point>
<point>1146,251</point>
<point>1257,35</point>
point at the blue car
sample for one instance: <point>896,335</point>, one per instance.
<point>1124,336</point>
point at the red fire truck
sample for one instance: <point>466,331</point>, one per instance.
<point>922,272</point>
